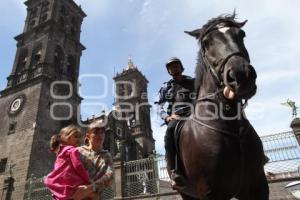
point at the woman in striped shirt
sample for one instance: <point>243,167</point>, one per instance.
<point>97,161</point>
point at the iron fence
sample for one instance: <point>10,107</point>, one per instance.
<point>283,152</point>
<point>36,190</point>
<point>147,177</point>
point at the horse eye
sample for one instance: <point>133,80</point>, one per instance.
<point>242,34</point>
<point>205,43</point>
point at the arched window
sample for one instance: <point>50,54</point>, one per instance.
<point>45,6</point>
<point>59,58</point>
<point>36,54</point>
<point>121,90</point>
<point>61,22</point>
<point>63,10</point>
<point>71,66</point>
<point>31,24</point>
<point>32,13</point>
<point>23,58</point>
<point>73,32</point>
<point>32,17</point>
<point>44,18</point>
<point>44,11</point>
<point>74,25</point>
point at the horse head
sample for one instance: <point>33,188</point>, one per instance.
<point>223,52</point>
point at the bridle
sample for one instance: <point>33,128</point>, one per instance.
<point>218,81</point>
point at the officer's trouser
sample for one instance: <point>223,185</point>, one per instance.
<point>170,145</point>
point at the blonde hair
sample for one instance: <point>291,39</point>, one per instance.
<point>61,138</point>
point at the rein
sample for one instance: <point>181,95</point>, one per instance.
<point>227,133</point>
<point>218,81</point>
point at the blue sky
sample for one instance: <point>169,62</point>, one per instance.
<point>151,31</point>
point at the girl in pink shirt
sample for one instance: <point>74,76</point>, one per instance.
<point>68,172</point>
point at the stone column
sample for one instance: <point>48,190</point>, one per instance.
<point>295,125</point>
<point>118,177</point>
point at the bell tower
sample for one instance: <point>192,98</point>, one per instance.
<point>131,97</point>
<point>50,43</point>
<point>41,95</point>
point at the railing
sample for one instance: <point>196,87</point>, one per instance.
<point>36,190</point>
<point>146,177</point>
<point>283,152</point>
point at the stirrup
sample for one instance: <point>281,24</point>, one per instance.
<point>177,181</point>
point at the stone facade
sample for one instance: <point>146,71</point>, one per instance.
<point>33,106</point>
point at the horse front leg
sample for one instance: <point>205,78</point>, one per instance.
<point>261,189</point>
<point>258,191</point>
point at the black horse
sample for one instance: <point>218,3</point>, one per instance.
<point>220,153</point>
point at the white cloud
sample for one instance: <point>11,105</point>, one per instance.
<point>274,75</point>
<point>145,7</point>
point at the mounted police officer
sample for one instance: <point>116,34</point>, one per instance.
<point>179,94</point>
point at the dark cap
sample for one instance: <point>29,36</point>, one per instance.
<point>174,60</point>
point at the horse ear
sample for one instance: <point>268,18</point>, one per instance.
<point>195,33</point>
<point>241,24</point>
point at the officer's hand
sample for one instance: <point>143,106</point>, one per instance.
<point>172,117</point>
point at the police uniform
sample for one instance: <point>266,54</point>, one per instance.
<point>175,92</point>
<point>179,96</point>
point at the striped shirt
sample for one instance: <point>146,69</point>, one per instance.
<point>99,166</point>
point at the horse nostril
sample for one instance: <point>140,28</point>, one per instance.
<point>230,78</point>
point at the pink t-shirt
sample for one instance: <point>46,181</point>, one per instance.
<point>67,175</point>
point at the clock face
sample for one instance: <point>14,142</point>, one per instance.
<point>16,105</point>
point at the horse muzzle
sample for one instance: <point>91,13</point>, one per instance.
<point>240,78</point>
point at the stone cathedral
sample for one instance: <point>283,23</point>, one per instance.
<point>42,96</point>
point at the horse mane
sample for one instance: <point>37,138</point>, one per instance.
<point>200,67</point>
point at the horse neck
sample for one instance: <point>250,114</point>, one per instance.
<point>207,86</point>
<point>216,108</point>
